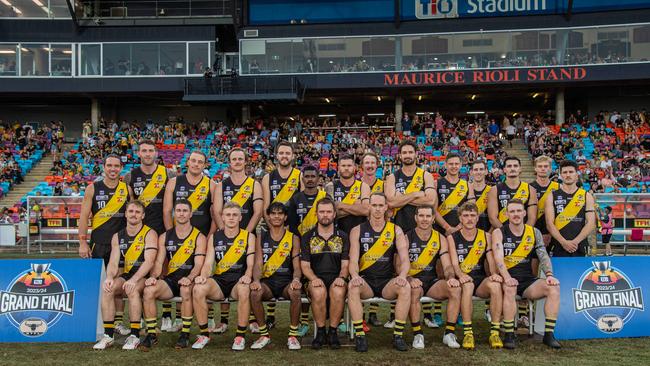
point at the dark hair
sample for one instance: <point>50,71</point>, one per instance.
<point>325,201</point>
<point>451,156</point>
<point>197,151</point>
<point>146,142</point>
<point>310,168</point>
<point>510,157</point>
<point>407,143</point>
<point>346,157</point>
<point>568,163</point>
<point>135,203</point>
<point>427,207</point>
<point>277,206</point>
<point>284,143</point>
<point>112,156</point>
<point>478,162</point>
<point>238,149</point>
<point>182,201</point>
<point>516,201</point>
<point>468,206</point>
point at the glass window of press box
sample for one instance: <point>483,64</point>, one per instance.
<point>83,9</point>
<point>105,59</point>
<point>498,49</point>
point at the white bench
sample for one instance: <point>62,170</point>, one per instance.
<point>426,299</point>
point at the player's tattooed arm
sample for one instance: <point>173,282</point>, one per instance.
<point>542,254</point>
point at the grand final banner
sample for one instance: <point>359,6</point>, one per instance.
<point>50,300</point>
<point>601,297</point>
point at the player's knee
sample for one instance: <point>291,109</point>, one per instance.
<point>149,293</point>
<point>186,293</point>
<point>509,291</point>
<point>468,287</point>
<point>553,291</point>
<point>404,292</point>
<point>337,293</point>
<point>416,294</point>
<point>455,292</point>
<point>243,292</point>
<point>255,296</point>
<point>318,294</point>
<point>294,295</point>
<point>494,288</point>
<point>199,291</point>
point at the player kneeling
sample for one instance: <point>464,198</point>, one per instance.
<point>133,249</point>
<point>232,249</point>
<point>184,246</point>
<point>425,247</point>
<point>516,246</point>
<point>469,248</point>
<point>277,274</point>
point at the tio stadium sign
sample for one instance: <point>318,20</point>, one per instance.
<point>438,9</point>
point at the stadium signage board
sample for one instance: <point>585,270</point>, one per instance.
<point>475,77</point>
<point>601,297</point>
<point>440,9</point>
<point>50,300</point>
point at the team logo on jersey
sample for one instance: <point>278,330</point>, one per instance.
<point>36,299</point>
<point>607,297</point>
<point>436,9</point>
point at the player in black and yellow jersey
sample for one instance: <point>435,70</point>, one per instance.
<point>105,201</point>
<point>512,188</point>
<point>241,189</point>
<point>570,214</point>
<point>350,195</point>
<point>409,187</point>
<point>147,184</point>
<point>277,274</point>
<point>134,250</point>
<point>478,171</point>
<point>184,248</point>
<point>226,273</point>
<point>515,247</point>
<point>544,188</point>
<point>452,191</point>
<point>373,247</point>
<point>302,206</point>
<point>470,250</point>
<point>196,188</point>
<point>247,192</point>
<point>324,262</point>
<point>369,164</point>
<point>427,247</point>
<point>284,181</point>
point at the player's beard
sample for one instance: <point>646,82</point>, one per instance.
<point>326,222</point>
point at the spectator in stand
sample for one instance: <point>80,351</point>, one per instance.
<point>407,124</point>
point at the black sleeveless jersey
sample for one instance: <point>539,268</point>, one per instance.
<point>154,211</point>
<point>172,245</point>
<point>222,244</point>
<point>299,206</point>
<point>202,215</point>
<point>383,266</point>
<point>505,194</point>
<point>571,230</point>
<point>416,246</point>
<point>443,190</point>
<point>103,234</point>
<point>541,220</point>
<point>405,217</point>
<point>276,183</point>
<point>340,192</point>
<point>229,190</point>
<point>463,247</point>
<point>483,218</point>
<point>269,246</point>
<point>524,269</point>
<point>125,242</point>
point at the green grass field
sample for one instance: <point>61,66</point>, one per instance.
<point>530,352</point>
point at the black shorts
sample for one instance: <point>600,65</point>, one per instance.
<point>510,137</point>
<point>276,287</point>
<point>557,250</point>
<point>101,251</point>
<point>225,286</point>
<point>477,279</point>
<point>427,284</point>
<point>126,276</point>
<point>328,280</point>
<point>173,285</point>
<point>377,284</point>
<point>524,283</point>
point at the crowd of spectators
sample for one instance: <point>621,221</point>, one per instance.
<point>20,142</point>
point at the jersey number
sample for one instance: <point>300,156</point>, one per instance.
<point>219,255</point>
<point>366,247</point>
<point>101,204</point>
<point>138,191</point>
